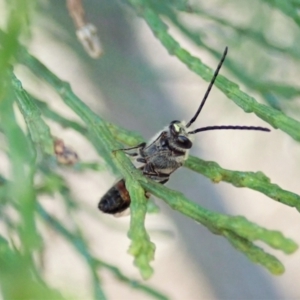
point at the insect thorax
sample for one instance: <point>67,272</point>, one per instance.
<point>167,151</point>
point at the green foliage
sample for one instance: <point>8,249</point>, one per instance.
<point>256,181</point>
<point>32,155</point>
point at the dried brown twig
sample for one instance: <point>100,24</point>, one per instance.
<point>86,32</point>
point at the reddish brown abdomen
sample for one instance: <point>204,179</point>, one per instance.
<point>116,200</point>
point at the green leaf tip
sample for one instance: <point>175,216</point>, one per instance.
<point>287,245</point>
<point>141,247</point>
<point>255,254</point>
<point>253,232</point>
<point>270,262</point>
<point>143,253</point>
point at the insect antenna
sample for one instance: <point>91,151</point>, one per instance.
<point>229,127</point>
<point>208,89</point>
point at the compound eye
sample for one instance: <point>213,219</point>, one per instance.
<point>184,142</point>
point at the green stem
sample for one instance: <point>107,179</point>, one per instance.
<point>239,227</point>
<point>253,180</point>
<point>38,129</point>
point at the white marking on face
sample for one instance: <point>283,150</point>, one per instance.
<point>177,127</point>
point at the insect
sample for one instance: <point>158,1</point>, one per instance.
<point>164,154</point>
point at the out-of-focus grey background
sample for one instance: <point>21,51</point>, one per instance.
<point>138,85</point>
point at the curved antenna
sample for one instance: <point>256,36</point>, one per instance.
<point>208,89</point>
<point>258,128</point>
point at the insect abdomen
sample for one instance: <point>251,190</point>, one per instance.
<point>116,200</point>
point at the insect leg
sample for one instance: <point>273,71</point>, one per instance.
<point>164,181</point>
<point>160,178</point>
<point>150,172</point>
<point>149,169</point>
<point>141,160</point>
<point>139,146</point>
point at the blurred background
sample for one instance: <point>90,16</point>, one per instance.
<point>138,85</point>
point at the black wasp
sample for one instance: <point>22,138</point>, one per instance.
<point>163,154</point>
